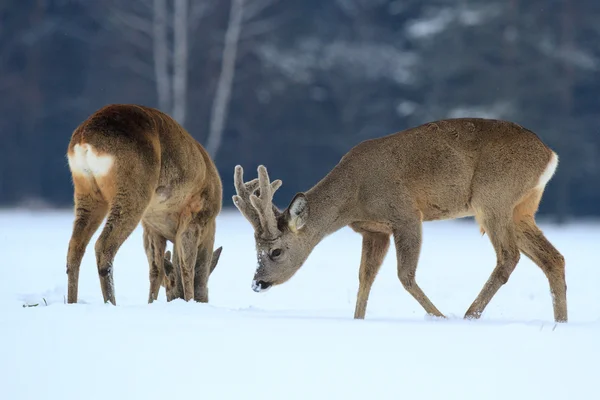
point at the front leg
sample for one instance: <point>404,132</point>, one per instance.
<point>407,238</point>
<point>154,245</point>
<point>186,246</point>
<point>374,248</point>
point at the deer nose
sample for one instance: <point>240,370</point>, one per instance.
<point>260,286</point>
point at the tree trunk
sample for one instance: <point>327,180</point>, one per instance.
<point>161,55</point>
<point>180,60</point>
<point>225,83</point>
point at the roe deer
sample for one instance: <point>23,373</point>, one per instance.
<point>172,282</point>
<point>135,164</point>
<point>493,170</point>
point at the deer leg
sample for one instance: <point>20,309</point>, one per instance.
<point>172,281</point>
<point>408,247</point>
<point>501,231</point>
<point>533,244</point>
<point>202,268</point>
<point>89,212</point>
<point>124,215</point>
<point>186,244</point>
<point>374,249</point>
<point>201,274</point>
<point>154,245</point>
<point>173,286</point>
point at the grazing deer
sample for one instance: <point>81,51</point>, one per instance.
<point>135,164</point>
<point>172,282</point>
<point>493,170</point>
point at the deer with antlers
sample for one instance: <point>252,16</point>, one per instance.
<point>493,170</point>
<point>135,164</point>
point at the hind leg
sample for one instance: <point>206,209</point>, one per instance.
<point>501,230</point>
<point>154,245</point>
<point>186,245</point>
<point>202,267</point>
<point>125,213</point>
<point>535,246</point>
<point>89,212</point>
<point>201,274</point>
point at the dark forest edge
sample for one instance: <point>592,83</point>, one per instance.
<point>311,80</point>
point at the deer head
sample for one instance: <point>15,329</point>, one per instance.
<point>281,243</point>
<point>172,280</point>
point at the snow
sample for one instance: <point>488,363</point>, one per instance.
<point>436,22</point>
<point>369,60</point>
<point>499,110</point>
<point>298,340</point>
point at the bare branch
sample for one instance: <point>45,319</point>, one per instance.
<point>263,26</point>
<point>138,66</point>
<point>255,7</point>
<point>131,21</point>
<point>198,10</point>
<point>137,39</point>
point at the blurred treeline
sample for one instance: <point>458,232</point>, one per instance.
<point>293,84</point>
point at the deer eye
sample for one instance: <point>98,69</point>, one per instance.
<point>275,253</point>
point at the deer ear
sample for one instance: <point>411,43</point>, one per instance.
<point>297,212</point>
<point>168,265</point>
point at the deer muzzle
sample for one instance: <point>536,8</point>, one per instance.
<point>260,286</point>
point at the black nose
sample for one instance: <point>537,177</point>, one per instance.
<point>258,286</point>
<point>264,285</point>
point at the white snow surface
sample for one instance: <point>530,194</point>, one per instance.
<point>298,340</point>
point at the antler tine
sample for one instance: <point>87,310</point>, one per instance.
<point>242,199</point>
<point>241,187</point>
<point>264,203</point>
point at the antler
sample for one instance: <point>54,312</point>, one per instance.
<point>242,199</point>
<point>258,210</point>
<point>264,203</point>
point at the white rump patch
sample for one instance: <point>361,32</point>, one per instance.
<point>85,161</point>
<point>548,172</point>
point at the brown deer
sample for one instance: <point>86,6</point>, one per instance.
<point>135,163</point>
<point>172,282</point>
<point>493,170</point>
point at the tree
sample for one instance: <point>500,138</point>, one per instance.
<point>157,35</point>
<point>242,12</point>
<point>225,83</point>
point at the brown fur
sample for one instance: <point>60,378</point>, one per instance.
<point>160,176</point>
<point>446,169</point>
<point>172,282</point>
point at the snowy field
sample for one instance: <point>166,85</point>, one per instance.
<point>298,340</point>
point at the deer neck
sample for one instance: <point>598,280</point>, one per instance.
<point>329,204</point>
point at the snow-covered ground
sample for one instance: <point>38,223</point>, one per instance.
<point>298,340</point>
